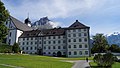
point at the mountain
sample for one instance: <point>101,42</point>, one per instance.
<point>114,38</point>
<point>43,23</point>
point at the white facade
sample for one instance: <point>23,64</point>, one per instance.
<point>69,42</point>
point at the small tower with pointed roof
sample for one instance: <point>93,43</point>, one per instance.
<point>28,22</point>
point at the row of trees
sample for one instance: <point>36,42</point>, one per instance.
<point>101,45</point>
<point>5,48</point>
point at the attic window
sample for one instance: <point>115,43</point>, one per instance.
<point>75,25</point>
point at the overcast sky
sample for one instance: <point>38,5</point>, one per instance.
<point>103,16</point>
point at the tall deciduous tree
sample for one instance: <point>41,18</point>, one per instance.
<point>3,17</point>
<point>15,48</point>
<point>100,44</point>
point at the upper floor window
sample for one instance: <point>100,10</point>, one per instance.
<point>79,35</point>
<point>69,35</point>
<point>49,37</point>
<point>44,37</point>
<point>44,42</point>
<point>49,42</point>
<point>86,46</point>
<point>74,30</point>
<point>85,34</point>
<point>74,35</point>
<point>31,38</point>
<point>69,40</point>
<point>74,40</point>
<point>59,41</point>
<point>80,40</point>
<point>23,39</point>
<point>63,41</point>
<point>59,47</point>
<point>27,38</point>
<point>53,37</point>
<point>23,43</point>
<point>53,47</point>
<point>35,38</point>
<point>27,43</point>
<point>31,43</point>
<point>58,37</point>
<point>35,42</point>
<point>54,42</point>
<point>69,46</point>
<point>80,46</point>
<point>69,31</point>
<point>44,47</point>
<point>64,47</point>
<point>75,46</point>
<point>79,30</point>
<point>84,29</point>
<point>48,47</point>
<point>39,42</point>
<point>85,39</point>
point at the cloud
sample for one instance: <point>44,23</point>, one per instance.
<point>52,8</point>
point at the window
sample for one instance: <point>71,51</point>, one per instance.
<point>44,52</point>
<point>53,37</point>
<point>22,48</point>
<point>35,38</point>
<point>27,38</point>
<point>74,40</point>
<point>39,42</point>
<point>69,40</point>
<point>59,37</point>
<point>27,43</point>
<point>80,46</point>
<point>6,22</point>
<point>30,48</point>
<point>10,34</point>
<point>74,46</point>
<point>74,35</point>
<point>31,43</point>
<point>35,48</point>
<point>40,38</point>
<point>59,47</point>
<point>49,53</point>
<point>86,52</point>
<point>85,39</point>
<point>44,37</point>
<point>49,37</point>
<point>69,46</point>
<point>59,41</point>
<point>53,47</point>
<point>69,31</point>
<point>69,53</point>
<point>80,40</point>
<point>23,39</point>
<point>48,47</point>
<point>74,30</point>
<point>49,42</point>
<point>80,52</point>
<point>53,42</point>
<point>64,47</point>
<point>85,34</point>
<point>23,43</point>
<point>84,29</point>
<point>35,42</point>
<point>26,48</point>
<point>31,38</point>
<point>44,42</point>
<point>63,41</point>
<point>79,35</point>
<point>75,53</point>
<point>64,53</point>
<point>69,35</point>
<point>79,30</point>
<point>85,45</point>
<point>44,47</point>
<point>9,41</point>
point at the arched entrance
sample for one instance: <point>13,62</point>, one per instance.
<point>54,54</point>
<point>59,54</point>
<point>39,51</point>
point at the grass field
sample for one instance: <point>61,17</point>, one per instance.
<point>31,61</point>
<point>115,65</point>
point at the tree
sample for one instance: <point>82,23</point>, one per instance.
<point>100,44</point>
<point>114,48</point>
<point>15,48</point>
<point>3,17</point>
<point>105,60</point>
<point>5,48</point>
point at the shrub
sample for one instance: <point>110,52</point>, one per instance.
<point>105,60</point>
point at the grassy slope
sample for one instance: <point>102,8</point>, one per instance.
<point>115,65</point>
<point>29,61</point>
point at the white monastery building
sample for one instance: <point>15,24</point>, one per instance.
<point>72,41</point>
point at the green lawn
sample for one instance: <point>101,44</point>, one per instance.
<point>115,65</point>
<point>33,61</point>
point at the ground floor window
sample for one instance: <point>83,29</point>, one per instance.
<point>80,52</point>
<point>69,53</point>
<point>75,53</point>
<point>86,52</point>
